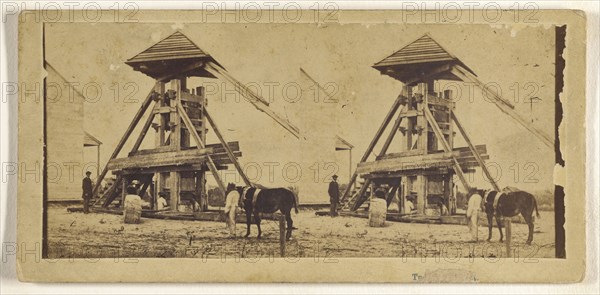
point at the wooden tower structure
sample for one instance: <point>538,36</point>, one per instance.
<point>178,115</point>
<point>428,160</point>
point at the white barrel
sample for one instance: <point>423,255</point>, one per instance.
<point>132,212</point>
<point>377,212</point>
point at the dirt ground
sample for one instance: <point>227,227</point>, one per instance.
<point>97,235</point>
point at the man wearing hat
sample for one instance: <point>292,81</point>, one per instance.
<point>334,195</point>
<point>87,192</point>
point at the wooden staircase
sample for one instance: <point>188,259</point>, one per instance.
<point>352,202</point>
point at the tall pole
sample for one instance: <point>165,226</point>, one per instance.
<point>350,168</point>
<point>98,162</point>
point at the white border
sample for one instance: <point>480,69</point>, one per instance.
<point>8,134</point>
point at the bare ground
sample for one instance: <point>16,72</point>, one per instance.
<point>96,235</point>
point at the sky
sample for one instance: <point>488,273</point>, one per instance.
<point>519,60</point>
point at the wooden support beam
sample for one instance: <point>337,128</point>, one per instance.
<point>374,141</point>
<point>504,105</point>
<point>359,196</point>
<point>185,157</point>
<point>392,193</point>
<point>478,157</point>
<point>257,101</point>
<point>232,157</point>
<point>174,190</point>
<point>140,139</point>
<point>390,137</point>
<point>110,193</point>
<point>124,138</point>
<point>421,189</point>
<point>124,184</point>
<point>442,140</point>
<point>200,145</point>
<point>318,85</point>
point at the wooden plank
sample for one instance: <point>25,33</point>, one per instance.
<point>125,136</point>
<point>413,162</point>
<point>216,149</point>
<point>458,152</point>
<point>164,169</point>
<point>374,141</point>
<point>505,106</point>
<point>397,174</point>
<point>442,140</point>
<point>158,159</point>
<point>478,157</point>
<point>227,149</point>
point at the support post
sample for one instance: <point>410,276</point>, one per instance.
<point>174,190</point>
<point>282,235</point>
<point>97,162</point>
<point>123,193</point>
<point>350,168</point>
<point>508,225</point>
<point>421,193</point>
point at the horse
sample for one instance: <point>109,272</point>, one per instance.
<point>509,204</point>
<point>268,200</point>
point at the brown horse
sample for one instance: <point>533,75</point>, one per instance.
<point>268,200</point>
<point>509,204</point>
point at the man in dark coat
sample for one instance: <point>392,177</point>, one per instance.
<point>87,187</point>
<point>334,195</point>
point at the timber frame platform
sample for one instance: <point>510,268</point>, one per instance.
<point>177,166</point>
<point>423,171</point>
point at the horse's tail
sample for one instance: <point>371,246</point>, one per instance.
<point>537,213</point>
<point>295,203</point>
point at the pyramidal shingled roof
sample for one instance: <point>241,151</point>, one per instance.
<point>420,52</point>
<point>171,56</point>
<point>175,46</point>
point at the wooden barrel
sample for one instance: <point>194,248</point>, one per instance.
<point>377,212</point>
<point>132,212</point>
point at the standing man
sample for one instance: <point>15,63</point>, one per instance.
<point>87,192</point>
<point>231,204</point>
<point>334,195</point>
<point>473,208</point>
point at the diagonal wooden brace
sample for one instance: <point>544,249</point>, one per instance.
<point>134,122</point>
<point>200,145</point>
<point>446,146</point>
<point>475,152</point>
<point>232,157</point>
<point>371,146</point>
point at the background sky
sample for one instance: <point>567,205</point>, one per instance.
<point>519,60</point>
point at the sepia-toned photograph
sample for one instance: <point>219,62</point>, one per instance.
<point>249,142</point>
